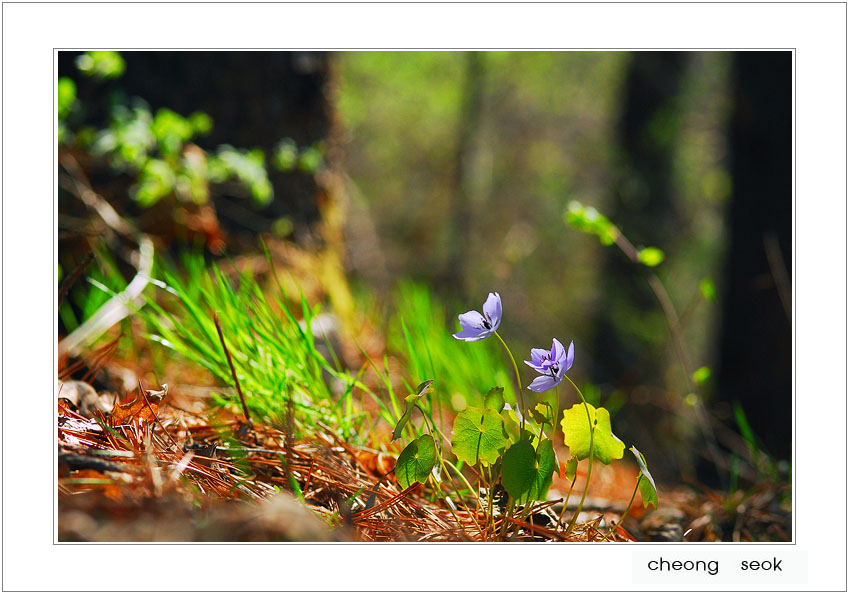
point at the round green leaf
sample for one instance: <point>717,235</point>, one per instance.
<point>527,474</point>
<point>518,469</point>
<point>416,461</point>
<point>646,483</point>
<point>576,434</point>
<point>479,435</point>
<point>545,466</point>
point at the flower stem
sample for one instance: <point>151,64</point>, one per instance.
<point>589,466</point>
<point>518,378</point>
<point>566,502</point>
<point>628,508</point>
<point>556,412</point>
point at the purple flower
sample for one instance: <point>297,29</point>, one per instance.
<point>552,365</point>
<point>476,326</point>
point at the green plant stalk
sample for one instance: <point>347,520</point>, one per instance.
<point>521,405</point>
<point>428,422</point>
<point>435,484</point>
<point>490,497</point>
<point>447,463</point>
<point>504,521</point>
<point>566,502</point>
<point>589,466</point>
<point>518,378</point>
<point>628,508</point>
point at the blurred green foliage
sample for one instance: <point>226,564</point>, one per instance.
<point>101,64</point>
<point>157,149</point>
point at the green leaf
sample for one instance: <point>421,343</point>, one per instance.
<point>518,468</point>
<point>527,474</point>
<point>539,417</point>
<point>647,488</point>
<point>416,461</point>
<point>543,413</point>
<point>576,434</point>
<point>479,435</point>
<point>708,289</point>
<point>701,375</point>
<point>651,256</point>
<point>571,468</point>
<point>590,220</point>
<point>494,399</point>
<point>411,401</point>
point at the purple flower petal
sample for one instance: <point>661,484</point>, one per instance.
<point>538,354</point>
<point>557,351</point>
<point>570,357</point>
<point>542,383</point>
<point>492,309</point>
<point>476,326</point>
<point>551,365</point>
<point>534,366</point>
<point>472,334</point>
<point>471,320</point>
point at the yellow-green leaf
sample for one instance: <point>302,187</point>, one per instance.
<point>576,433</point>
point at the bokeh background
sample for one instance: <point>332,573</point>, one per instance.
<point>441,176</point>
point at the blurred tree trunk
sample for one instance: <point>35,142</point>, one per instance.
<point>629,325</point>
<point>755,364</point>
<point>455,275</point>
<point>630,332</point>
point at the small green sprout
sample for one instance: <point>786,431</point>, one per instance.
<point>651,256</point>
<point>411,401</point>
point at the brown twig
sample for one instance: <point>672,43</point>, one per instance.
<point>232,369</point>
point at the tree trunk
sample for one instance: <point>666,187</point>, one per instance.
<point>755,365</point>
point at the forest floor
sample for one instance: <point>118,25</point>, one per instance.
<point>156,468</point>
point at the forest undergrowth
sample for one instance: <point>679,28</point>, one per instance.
<point>226,407</point>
